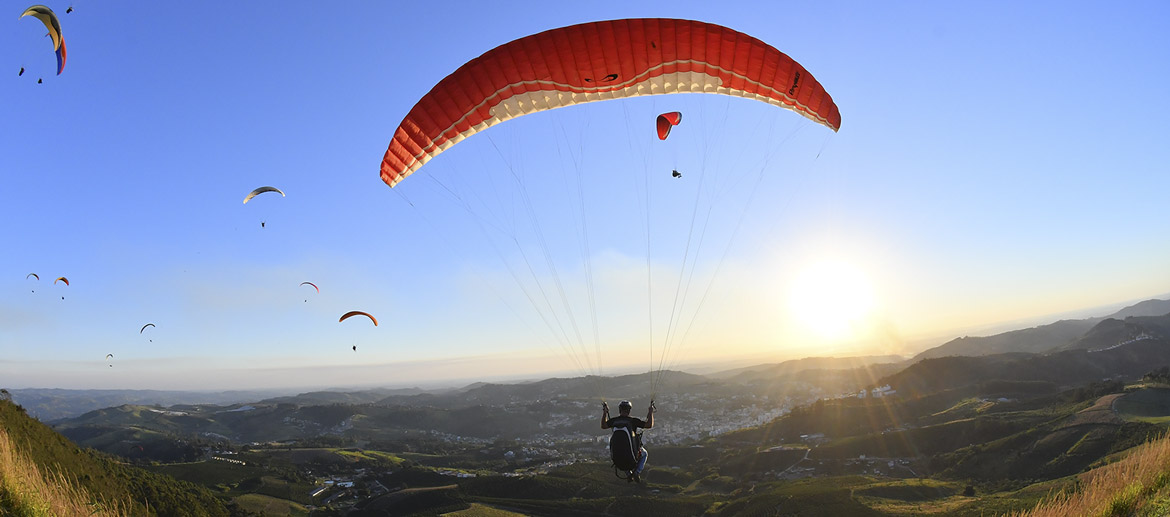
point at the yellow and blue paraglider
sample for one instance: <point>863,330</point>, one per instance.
<point>46,16</point>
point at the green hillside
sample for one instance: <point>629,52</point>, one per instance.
<point>147,493</point>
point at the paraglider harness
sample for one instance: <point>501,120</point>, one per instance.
<point>625,450</point>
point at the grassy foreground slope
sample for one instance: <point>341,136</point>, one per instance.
<point>90,473</point>
<point>1138,484</point>
<point>26,491</point>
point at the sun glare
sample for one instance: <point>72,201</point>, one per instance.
<point>832,300</point>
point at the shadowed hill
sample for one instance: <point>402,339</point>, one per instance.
<point>1065,368</point>
<point>1039,339</point>
<point>1032,340</point>
<point>1117,333</point>
<point>589,387</point>
<point>1146,308</point>
<point>343,397</point>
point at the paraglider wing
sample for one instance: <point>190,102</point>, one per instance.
<point>34,275</point>
<point>109,356</point>
<point>351,314</point>
<point>597,61</point>
<point>261,190</point>
<point>665,122</point>
<point>143,329</point>
<point>61,58</point>
<point>61,279</point>
<point>47,17</point>
<point>312,284</point>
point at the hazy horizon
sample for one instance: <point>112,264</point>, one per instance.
<point>427,374</point>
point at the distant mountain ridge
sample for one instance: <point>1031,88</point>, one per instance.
<point>1113,332</point>
<point>1058,370</point>
<point>49,404</point>
<point>1040,339</point>
<point>808,363</point>
<point>345,397</point>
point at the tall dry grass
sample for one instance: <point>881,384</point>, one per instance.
<point>1116,489</point>
<point>27,492</point>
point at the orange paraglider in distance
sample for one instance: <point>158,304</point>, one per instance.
<point>351,314</point>
<point>665,122</point>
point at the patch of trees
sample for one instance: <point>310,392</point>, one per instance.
<point>1158,376</point>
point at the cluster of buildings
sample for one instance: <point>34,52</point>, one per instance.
<point>456,473</point>
<point>454,438</point>
<point>344,490</point>
<point>877,393</point>
<point>692,417</point>
<point>230,460</point>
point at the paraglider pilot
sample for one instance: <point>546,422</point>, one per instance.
<point>624,420</point>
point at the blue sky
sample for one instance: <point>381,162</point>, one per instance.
<point>996,162</point>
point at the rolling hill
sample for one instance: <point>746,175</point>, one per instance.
<point>1038,339</point>
<point>795,366</point>
<point>1115,332</point>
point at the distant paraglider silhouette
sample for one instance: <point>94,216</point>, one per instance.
<point>59,279</point>
<point>143,329</point>
<point>259,191</point>
<point>351,314</point>
<point>314,286</point>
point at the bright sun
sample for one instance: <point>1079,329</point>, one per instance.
<point>832,299</point>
